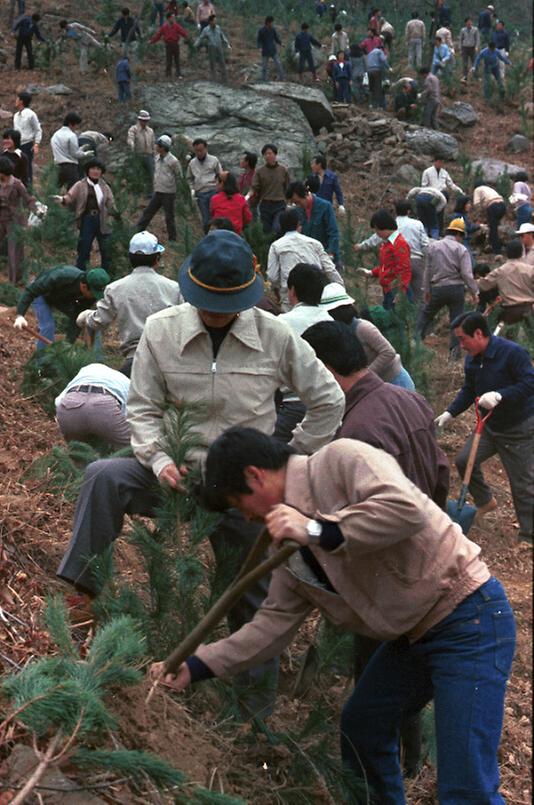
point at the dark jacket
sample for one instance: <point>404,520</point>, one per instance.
<point>60,288</point>
<point>501,39</point>
<point>504,367</point>
<point>330,187</point>
<point>484,21</point>
<point>267,40</point>
<point>122,71</point>
<point>322,226</point>
<point>26,28</point>
<point>128,27</point>
<point>304,42</point>
<point>401,423</point>
<point>342,73</point>
<point>20,165</point>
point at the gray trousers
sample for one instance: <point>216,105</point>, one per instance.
<point>118,486</point>
<point>216,60</point>
<point>416,283</point>
<point>430,114</point>
<point>515,448</point>
<point>82,415</point>
<point>265,67</point>
<point>450,296</point>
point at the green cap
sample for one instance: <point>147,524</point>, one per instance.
<point>97,279</point>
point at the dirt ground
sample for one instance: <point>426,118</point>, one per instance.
<point>35,525</point>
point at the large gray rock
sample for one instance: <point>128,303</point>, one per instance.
<point>436,143</point>
<point>408,174</point>
<point>458,115</point>
<point>518,143</point>
<point>311,100</point>
<point>53,89</point>
<point>231,120</point>
<point>490,169</point>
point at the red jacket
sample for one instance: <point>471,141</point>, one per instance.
<point>169,33</point>
<point>394,268</point>
<point>233,207</point>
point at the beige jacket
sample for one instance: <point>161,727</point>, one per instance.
<point>403,567</point>
<point>141,139</point>
<point>514,281</point>
<point>76,198</point>
<point>174,364</point>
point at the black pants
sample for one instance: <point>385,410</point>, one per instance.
<point>306,58</point>
<point>270,212</point>
<point>27,148</point>
<point>172,55</point>
<point>159,200</point>
<point>376,91</point>
<point>67,174</point>
<point>494,213</point>
<point>24,42</point>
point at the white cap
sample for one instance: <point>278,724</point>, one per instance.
<point>334,295</point>
<point>165,141</point>
<point>492,8</point>
<point>145,243</point>
<point>143,115</point>
<point>332,58</point>
<point>525,229</point>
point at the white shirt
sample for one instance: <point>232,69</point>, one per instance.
<point>65,148</point>
<point>303,316</point>
<point>27,122</point>
<point>98,374</point>
<point>414,233</point>
<point>441,181</point>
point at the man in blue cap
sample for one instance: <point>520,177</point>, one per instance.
<point>223,352</point>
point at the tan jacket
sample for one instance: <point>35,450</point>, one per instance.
<point>141,139</point>
<point>403,567</point>
<point>514,280</point>
<point>415,29</point>
<point>484,196</point>
<point>174,363</point>
<point>76,198</point>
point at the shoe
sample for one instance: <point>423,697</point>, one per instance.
<point>488,507</point>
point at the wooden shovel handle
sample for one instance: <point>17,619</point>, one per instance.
<point>38,336</point>
<point>471,459</point>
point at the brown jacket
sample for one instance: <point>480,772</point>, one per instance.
<point>400,422</point>
<point>76,198</point>
<point>402,568</point>
<point>514,280</point>
<point>14,198</point>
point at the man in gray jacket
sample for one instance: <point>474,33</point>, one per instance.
<point>131,299</point>
<point>221,351</point>
<point>167,171</point>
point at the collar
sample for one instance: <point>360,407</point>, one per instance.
<point>361,388</point>
<point>297,491</point>
<point>393,237</point>
<point>143,270</point>
<point>244,329</point>
<point>90,182</point>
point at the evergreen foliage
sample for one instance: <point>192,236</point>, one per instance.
<point>49,370</point>
<point>9,294</point>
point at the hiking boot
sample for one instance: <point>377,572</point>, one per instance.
<point>488,507</point>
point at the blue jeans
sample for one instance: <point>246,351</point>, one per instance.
<point>278,66</point>
<point>124,91</point>
<point>450,296</point>
<point>462,663</point>
<point>388,300</point>
<point>404,380</point>
<point>426,212</point>
<point>523,214</point>
<point>203,201</point>
<point>89,230</point>
<point>45,320</point>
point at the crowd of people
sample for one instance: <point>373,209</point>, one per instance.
<point>314,426</point>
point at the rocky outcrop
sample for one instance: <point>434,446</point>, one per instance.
<point>231,120</point>
<point>53,89</point>
<point>518,143</point>
<point>311,100</point>
<point>434,143</point>
<point>457,116</point>
<point>490,169</point>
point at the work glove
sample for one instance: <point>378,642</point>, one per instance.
<point>192,194</point>
<point>81,318</point>
<point>40,209</point>
<point>443,420</point>
<point>365,271</point>
<point>489,400</point>
<point>20,323</point>
<point>341,209</point>
<point>87,148</point>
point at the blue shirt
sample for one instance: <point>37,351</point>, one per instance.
<point>376,60</point>
<point>267,40</point>
<point>98,374</point>
<point>329,187</point>
<point>504,367</point>
<point>304,42</point>
<point>491,58</point>
<point>122,70</point>
<point>501,39</point>
<point>442,53</point>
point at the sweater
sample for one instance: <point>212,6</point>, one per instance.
<point>270,183</point>
<point>394,267</point>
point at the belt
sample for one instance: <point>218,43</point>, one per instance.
<point>92,212</point>
<point>93,390</point>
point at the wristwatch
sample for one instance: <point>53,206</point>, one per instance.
<point>314,529</point>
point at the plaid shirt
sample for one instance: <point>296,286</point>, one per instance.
<point>394,256</point>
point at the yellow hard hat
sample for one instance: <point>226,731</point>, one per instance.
<point>457,224</point>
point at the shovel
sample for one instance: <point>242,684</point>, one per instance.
<point>457,510</point>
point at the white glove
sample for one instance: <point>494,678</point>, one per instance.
<point>89,153</point>
<point>87,148</point>
<point>341,209</point>
<point>366,271</point>
<point>81,318</point>
<point>57,198</point>
<point>192,193</point>
<point>489,400</point>
<point>20,323</point>
<point>443,420</point>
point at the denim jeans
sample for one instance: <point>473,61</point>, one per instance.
<point>203,202</point>
<point>270,212</point>
<point>278,66</point>
<point>124,91</point>
<point>495,72</point>
<point>523,214</point>
<point>306,59</point>
<point>404,380</point>
<point>426,212</point>
<point>158,9</point>
<point>89,230</point>
<point>45,320</point>
<point>450,296</point>
<point>463,664</point>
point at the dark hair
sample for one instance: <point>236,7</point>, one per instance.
<point>289,221</point>
<point>461,203</point>
<point>424,70</point>
<point>137,260</point>
<point>212,17</point>
<point>438,39</point>
<point>344,313</point>
<point>199,141</point>
<point>221,223</point>
<point>228,457</point>
<point>514,249</point>
<point>230,185</point>
<point>6,166</point>
<point>520,176</point>
<point>336,345</point>
<point>313,183</point>
<point>356,51</point>
<point>320,159</point>
<point>14,135</point>
<point>304,26</point>
<point>414,15</point>
<point>308,282</point>
<point>338,26</point>
<point>169,15</point>
<point>94,163</point>
<point>296,189</point>
<point>36,17</point>
<point>383,219</point>
<point>125,10</point>
<point>268,20</point>
<point>402,206</point>
<point>492,45</point>
<point>63,23</point>
<point>480,183</point>
<point>470,322</point>
<point>468,18</point>
<point>481,270</point>
<point>252,159</point>
<point>267,147</point>
<point>72,119</point>
<point>25,97</point>
<point>108,135</point>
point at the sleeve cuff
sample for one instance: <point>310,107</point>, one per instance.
<point>198,669</point>
<point>331,537</point>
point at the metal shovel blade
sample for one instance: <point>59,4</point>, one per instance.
<point>461,514</point>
